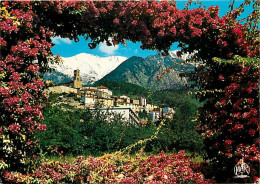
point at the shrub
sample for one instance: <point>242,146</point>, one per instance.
<point>229,118</point>
<point>115,168</point>
<point>82,131</point>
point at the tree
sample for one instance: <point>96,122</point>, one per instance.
<point>229,117</point>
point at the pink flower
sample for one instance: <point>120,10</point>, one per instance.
<point>116,21</point>
<point>238,31</point>
<point>250,100</point>
<point>245,115</point>
<point>2,42</point>
<point>249,89</point>
<point>15,76</point>
<point>25,97</point>
<point>38,83</point>
<point>134,23</point>
<point>244,70</point>
<point>14,128</point>
<point>160,33</point>
<point>33,68</point>
<point>41,127</point>
<point>173,30</point>
<point>238,127</point>
<point>221,78</point>
<point>254,120</point>
<point>196,32</point>
<point>228,122</point>
<point>103,10</point>
<point>253,112</point>
<point>251,132</point>
<point>223,102</point>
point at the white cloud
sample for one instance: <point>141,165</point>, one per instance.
<point>109,50</point>
<point>59,40</point>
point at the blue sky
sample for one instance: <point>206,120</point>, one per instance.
<point>68,48</point>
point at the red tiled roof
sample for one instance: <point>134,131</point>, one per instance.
<point>102,87</point>
<point>86,89</point>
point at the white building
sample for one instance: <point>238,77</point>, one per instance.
<point>104,91</point>
<point>155,115</point>
<point>168,110</point>
<point>142,101</point>
<point>89,101</point>
<point>89,91</point>
<point>126,113</point>
<point>61,89</point>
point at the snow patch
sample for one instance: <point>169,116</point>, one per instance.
<point>92,68</point>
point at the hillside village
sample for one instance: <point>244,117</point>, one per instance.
<point>102,98</point>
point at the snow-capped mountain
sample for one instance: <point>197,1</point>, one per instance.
<point>92,68</point>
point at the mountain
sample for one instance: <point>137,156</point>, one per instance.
<point>56,77</point>
<point>92,68</point>
<point>143,71</point>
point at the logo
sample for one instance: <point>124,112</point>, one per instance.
<point>241,169</point>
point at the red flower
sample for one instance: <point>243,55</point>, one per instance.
<point>2,42</point>
<point>15,76</point>
<point>249,89</point>
<point>14,128</point>
<point>221,78</point>
<point>253,112</point>
<point>250,100</point>
<point>244,70</point>
<point>238,127</point>
<point>160,33</point>
<point>251,132</point>
<point>33,68</point>
<point>238,31</point>
<point>116,21</point>
<point>245,115</point>
<point>228,142</point>
<point>228,122</point>
<point>223,102</point>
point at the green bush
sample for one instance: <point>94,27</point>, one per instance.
<point>79,131</point>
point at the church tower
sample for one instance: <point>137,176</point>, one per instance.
<point>76,80</point>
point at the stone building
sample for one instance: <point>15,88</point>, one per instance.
<point>89,91</point>
<point>76,83</point>
<point>61,89</point>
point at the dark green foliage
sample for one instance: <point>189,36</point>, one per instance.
<point>143,115</point>
<point>64,130</point>
<point>77,131</point>
<point>179,133</point>
<point>170,98</point>
<point>124,88</point>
